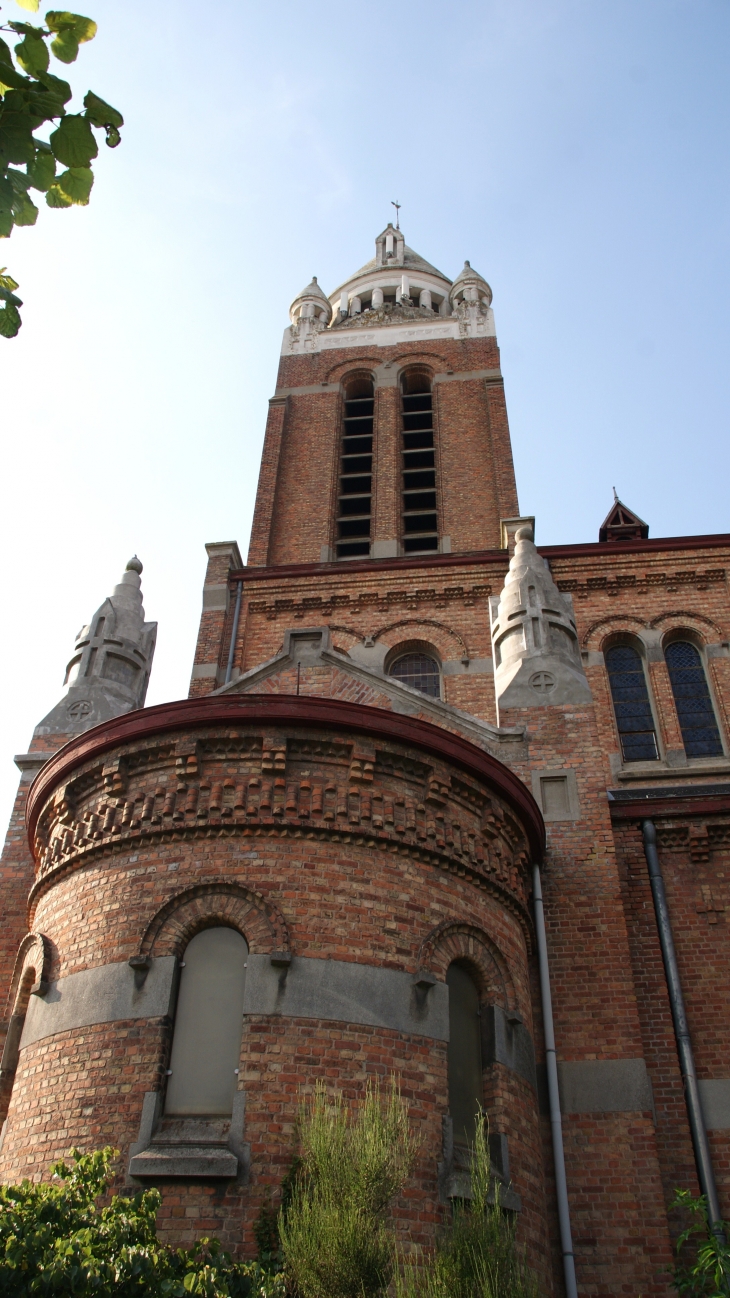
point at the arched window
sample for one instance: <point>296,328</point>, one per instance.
<point>356,467</point>
<point>700,734</point>
<point>420,671</point>
<point>631,704</point>
<point>207,1041</point>
<point>464,1056</point>
<point>420,520</point>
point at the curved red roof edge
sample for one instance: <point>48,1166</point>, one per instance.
<point>289,709</point>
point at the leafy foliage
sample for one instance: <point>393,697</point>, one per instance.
<point>266,1226</point>
<point>30,102</point>
<point>478,1256</point>
<point>334,1237</point>
<point>56,1239</point>
<point>709,1273</point>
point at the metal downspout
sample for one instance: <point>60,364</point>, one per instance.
<point>556,1122</point>
<point>681,1030</point>
<point>234,632</point>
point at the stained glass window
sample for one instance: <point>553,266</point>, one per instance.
<point>696,714</point>
<point>631,704</point>
<point>420,672</point>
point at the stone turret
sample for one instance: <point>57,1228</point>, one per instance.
<point>537,660</point>
<point>110,666</point>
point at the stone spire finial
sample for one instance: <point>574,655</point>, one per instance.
<point>537,660</point>
<point>110,666</point>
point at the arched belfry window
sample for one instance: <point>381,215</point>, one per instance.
<point>420,518</point>
<point>631,704</point>
<point>208,1022</point>
<point>700,735</point>
<point>356,467</point>
<point>420,671</point>
<point>464,1055</point>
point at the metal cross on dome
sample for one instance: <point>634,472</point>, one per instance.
<point>394,203</point>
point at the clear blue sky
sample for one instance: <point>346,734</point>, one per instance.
<point>575,151</point>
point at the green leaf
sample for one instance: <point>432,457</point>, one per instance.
<point>24,210</point>
<point>7,221</point>
<point>84,29</point>
<point>56,197</point>
<point>65,47</point>
<point>16,138</point>
<point>28,4</point>
<point>100,113</point>
<point>58,89</point>
<point>73,142</point>
<point>32,54</point>
<point>5,55</point>
<point>7,281</point>
<point>76,184</point>
<point>42,169</point>
<point>7,195</point>
<point>11,78</point>
<point>10,321</point>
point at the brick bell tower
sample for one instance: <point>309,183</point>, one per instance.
<point>388,434</point>
<point>405,724</point>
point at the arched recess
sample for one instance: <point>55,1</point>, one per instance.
<point>211,905</point>
<point>30,977</point>
<point>598,632</point>
<point>473,949</point>
<point>678,618</point>
<point>422,621</point>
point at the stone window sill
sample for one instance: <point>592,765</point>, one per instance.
<point>644,771</point>
<point>198,1149</point>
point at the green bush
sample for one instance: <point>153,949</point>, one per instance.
<point>334,1237</point>
<point>708,1274</point>
<point>478,1255</point>
<point>55,1239</point>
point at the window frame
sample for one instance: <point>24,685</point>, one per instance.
<point>421,372</point>
<point>355,377</point>
<point>688,636</point>
<point>626,640</point>
<point>416,647</point>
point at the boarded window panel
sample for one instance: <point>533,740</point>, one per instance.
<point>555,801</point>
<point>696,714</point>
<point>631,704</point>
<point>208,1023</point>
<point>464,1056</point>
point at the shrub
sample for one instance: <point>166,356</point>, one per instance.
<point>478,1255</point>
<point>55,1239</point>
<point>708,1274</point>
<point>334,1237</point>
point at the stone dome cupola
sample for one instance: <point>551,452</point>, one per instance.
<point>470,287</point>
<point>311,304</point>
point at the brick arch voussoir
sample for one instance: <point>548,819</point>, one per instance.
<point>34,954</point>
<point>455,941</point>
<point>423,621</point>
<point>209,904</point>
<point>679,617</point>
<point>352,366</point>
<point>597,632</point>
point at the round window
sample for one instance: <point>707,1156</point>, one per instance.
<point>419,671</point>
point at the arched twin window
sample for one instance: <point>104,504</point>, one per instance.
<point>464,1054</point>
<point>632,705</point>
<point>206,1044</point>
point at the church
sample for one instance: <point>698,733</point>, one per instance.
<point>442,803</point>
